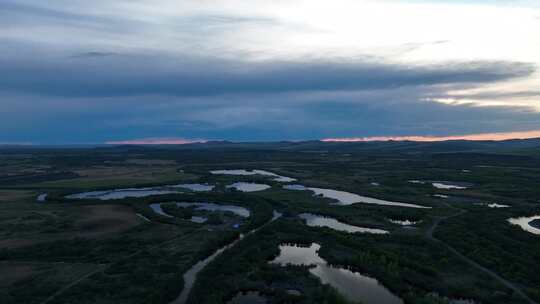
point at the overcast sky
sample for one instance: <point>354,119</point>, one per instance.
<point>114,71</point>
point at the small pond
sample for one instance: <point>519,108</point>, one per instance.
<point>248,187</point>
<point>347,198</point>
<point>314,220</point>
<point>440,196</point>
<point>449,185</point>
<point>526,223</point>
<point>495,205</point>
<point>41,198</point>
<point>354,286</point>
<point>240,211</point>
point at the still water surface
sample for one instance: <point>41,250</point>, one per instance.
<point>347,198</point>
<point>139,192</point>
<point>248,187</point>
<point>240,211</point>
<point>314,220</point>
<point>354,286</point>
<point>525,223</point>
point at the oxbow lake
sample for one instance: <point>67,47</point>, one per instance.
<point>314,220</point>
<point>139,192</point>
<point>347,198</point>
<point>240,211</point>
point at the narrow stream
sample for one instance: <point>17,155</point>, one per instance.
<point>191,275</point>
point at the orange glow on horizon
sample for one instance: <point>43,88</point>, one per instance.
<point>481,136</point>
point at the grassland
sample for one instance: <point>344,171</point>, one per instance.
<point>92,251</point>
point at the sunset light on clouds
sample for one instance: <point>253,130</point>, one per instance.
<point>108,72</point>
<point>484,136</point>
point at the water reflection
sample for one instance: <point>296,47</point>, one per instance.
<point>139,192</point>
<point>353,286</point>
<point>158,210</point>
<point>314,220</point>
<point>526,223</point>
<point>403,222</point>
<point>495,205</point>
<point>41,198</point>
<point>196,187</point>
<point>240,211</point>
<point>448,185</point>
<point>347,198</point>
<point>120,193</point>
<point>276,177</point>
<point>198,219</point>
<point>248,187</point>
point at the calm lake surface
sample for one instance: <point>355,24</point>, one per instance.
<point>347,198</point>
<point>441,184</point>
<point>120,193</point>
<point>240,211</point>
<point>248,187</point>
<point>314,220</point>
<point>525,223</point>
<point>139,192</point>
<point>354,286</point>
<point>495,205</point>
<point>448,185</point>
<point>276,177</point>
<point>195,187</point>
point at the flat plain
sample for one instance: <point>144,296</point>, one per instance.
<point>457,248</point>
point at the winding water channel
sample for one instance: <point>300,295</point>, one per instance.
<point>191,275</point>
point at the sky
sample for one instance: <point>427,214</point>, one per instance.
<point>148,71</point>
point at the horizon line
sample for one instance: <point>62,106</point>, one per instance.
<point>494,136</point>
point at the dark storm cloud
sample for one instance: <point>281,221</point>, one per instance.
<point>97,73</point>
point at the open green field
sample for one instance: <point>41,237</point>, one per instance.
<point>121,251</point>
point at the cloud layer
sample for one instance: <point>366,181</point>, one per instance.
<point>107,72</point>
